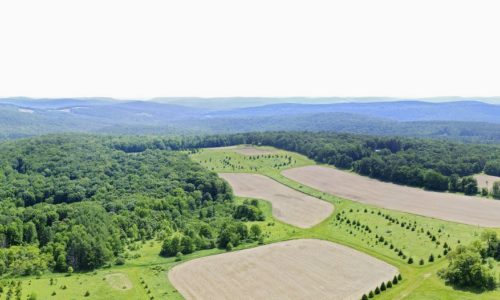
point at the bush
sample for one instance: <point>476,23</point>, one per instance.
<point>466,269</point>
<point>178,256</point>
<point>365,297</point>
<point>389,284</point>
<point>377,290</point>
<point>370,295</point>
<point>421,262</point>
<point>120,261</point>
<point>431,258</point>
<point>410,260</point>
<point>87,293</point>
<point>382,287</point>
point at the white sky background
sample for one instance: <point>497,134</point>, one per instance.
<point>142,49</point>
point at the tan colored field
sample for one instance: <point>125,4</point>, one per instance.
<point>288,205</point>
<point>245,149</point>
<point>297,269</point>
<point>119,281</point>
<point>445,206</point>
<point>486,181</point>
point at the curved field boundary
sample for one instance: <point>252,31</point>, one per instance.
<point>445,206</point>
<point>297,269</point>
<point>288,205</point>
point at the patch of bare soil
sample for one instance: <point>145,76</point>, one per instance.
<point>486,181</point>
<point>289,205</point>
<point>445,206</point>
<point>297,269</point>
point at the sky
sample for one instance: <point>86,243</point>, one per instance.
<point>268,48</point>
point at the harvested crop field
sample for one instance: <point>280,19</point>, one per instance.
<point>288,205</point>
<point>445,206</point>
<point>297,269</point>
<point>246,149</point>
<point>118,281</point>
<point>486,181</point>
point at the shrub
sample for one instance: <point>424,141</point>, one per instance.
<point>410,260</point>
<point>467,269</point>
<point>421,262</point>
<point>178,256</point>
<point>365,297</point>
<point>400,277</point>
<point>431,258</point>
<point>87,293</point>
<point>389,284</point>
<point>120,261</point>
<point>382,287</point>
<point>377,290</point>
<point>370,295</point>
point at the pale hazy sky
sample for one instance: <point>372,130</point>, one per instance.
<point>141,49</point>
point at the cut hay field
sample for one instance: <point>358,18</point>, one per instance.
<point>446,206</point>
<point>298,269</point>
<point>288,205</point>
<point>389,235</point>
<point>486,181</point>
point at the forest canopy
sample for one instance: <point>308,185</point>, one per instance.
<point>75,201</point>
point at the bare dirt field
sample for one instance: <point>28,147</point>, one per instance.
<point>119,281</point>
<point>445,206</point>
<point>486,181</point>
<point>246,150</point>
<point>288,205</point>
<point>250,150</point>
<point>297,269</point>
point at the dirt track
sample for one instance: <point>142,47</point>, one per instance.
<point>288,205</point>
<point>445,206</point>
<point>298,269</point>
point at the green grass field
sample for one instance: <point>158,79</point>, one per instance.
<point>145,276</point>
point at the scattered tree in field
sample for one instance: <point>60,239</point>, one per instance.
<point>467,268</point>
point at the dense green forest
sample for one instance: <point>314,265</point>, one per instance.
<point>432,164</point>
<point>75,202</point>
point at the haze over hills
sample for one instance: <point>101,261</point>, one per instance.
<point>463,120</point>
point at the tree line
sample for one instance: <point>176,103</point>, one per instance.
<point>432,164</point>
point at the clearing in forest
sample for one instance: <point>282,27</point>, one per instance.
<point>486,181</point>
<point>297,269</point>
<point>445,206</point>
<point>288,205</point>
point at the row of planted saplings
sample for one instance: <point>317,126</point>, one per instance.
<point>383,287</point>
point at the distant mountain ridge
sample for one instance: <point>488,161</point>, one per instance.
<point>465,120</point>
